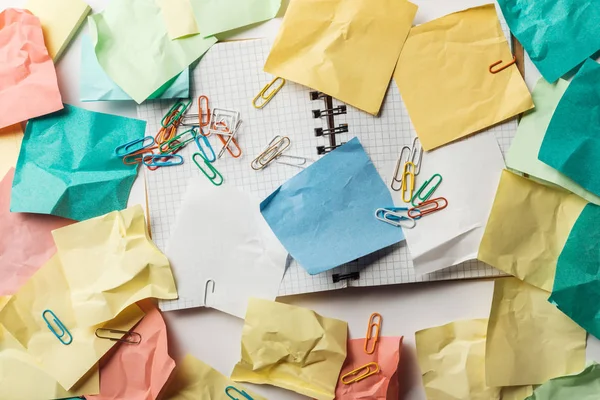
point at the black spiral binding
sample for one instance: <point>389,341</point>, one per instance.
<point>329,113</point>
<point>347,277</point>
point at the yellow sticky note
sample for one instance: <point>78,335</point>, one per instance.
<point>23,318</point>
<point>516,392</point>
<point>179,17</point>
<point>10,146</point>
<point>61,19</point>
<point>21,378</point>
<point>122,265</point>
<point>529,340</point>
<point>293,348</point>
<point>347,49</point>
<point>444,79</point>
<point>193,379</point>
<point>528,228</point>
<point>452,361</point>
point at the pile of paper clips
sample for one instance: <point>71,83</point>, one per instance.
<point>410,161</point>
<point>161,151</point>
<point>360,373</point>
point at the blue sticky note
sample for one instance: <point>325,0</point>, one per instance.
<point>325,215</point>
<point>558,35</point>
<point>571,144</point>
<point>67,165</point>
<point>576,290</point>
<point>95,85</point>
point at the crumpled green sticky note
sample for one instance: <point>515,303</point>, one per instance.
<point>583,386</point>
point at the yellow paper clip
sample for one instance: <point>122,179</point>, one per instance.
<point>373,332</point>
<point>408,175</point>
<point>360,373</point>
<point>265,95</point>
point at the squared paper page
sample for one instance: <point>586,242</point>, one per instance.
<point>230,74</point>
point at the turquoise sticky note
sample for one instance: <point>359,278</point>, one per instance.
<point>325,215</point>
<point>67,164</point>
<point>576,290</point>
<point>572,141</point>
<point>95,85</point>
<point>558,35</point>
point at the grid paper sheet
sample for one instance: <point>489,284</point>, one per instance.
<point>230,74</point>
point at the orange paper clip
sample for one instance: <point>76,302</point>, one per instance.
<point>495,71</point>
<point>373,332</point>
<point>360,373</point>
<point>428,207</point>
<point>203,111</point>
<point>136,158</point>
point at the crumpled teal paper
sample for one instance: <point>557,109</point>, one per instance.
<point>95,85</point>
<point>572,141</point>
<point>325,215</point>
<point>67,164</point>
<point>558,35</point>
<point>583,386</point>
<point>576,290</point>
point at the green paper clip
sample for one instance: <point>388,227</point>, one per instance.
<point>178,108</point>
<point>216,178</point>
<point>423,187</point>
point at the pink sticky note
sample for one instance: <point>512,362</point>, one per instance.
<point>381,386</point>
<point>138,371</point>
<point>28,84</point>
<point>26,242</point>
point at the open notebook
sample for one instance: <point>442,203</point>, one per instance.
<point>230,74</point>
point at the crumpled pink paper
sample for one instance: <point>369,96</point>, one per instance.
<point>383,385</point>
<point>26,242</point>
<point>138,371</point>
<point>28,83</point>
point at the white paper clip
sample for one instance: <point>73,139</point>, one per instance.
<point>397,217</point>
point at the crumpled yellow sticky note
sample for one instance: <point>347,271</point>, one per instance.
<point>443,76</point>
<point>110,263</point>
<point>529,340</point>
<point>528,228</point>
<point>347,49</point>
<point>22,318</point>
<point>194,380</point>
<point>291,347</point>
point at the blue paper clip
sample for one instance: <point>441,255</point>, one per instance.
<point>133,146</point>
<point>204,139</point>
<point>243,393</point>
<point>64,332</point>
<point>215,177</point>
<point>168,160</point>
<point>396,216</point>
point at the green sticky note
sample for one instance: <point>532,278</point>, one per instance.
<point>523,153</point>
<point>572,142</point>
<point>67,165</point>
<point>576,290</point>
<point>134,49</point>
<point>583,386</point>
<point>216,16</point>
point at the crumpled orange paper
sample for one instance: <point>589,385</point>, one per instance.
<point>28,84</point>
<point>26,241</point>
<point>138,372</point>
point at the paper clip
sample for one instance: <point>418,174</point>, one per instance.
<point>423,187</point>
<point>204,140</point>
<point>373,332</point>
<point>216,178</point>
<point>221,119</point>
<point>274,149</point>
<point>162,160</point>
<point>265,95</point>
<point>165,134</point>
<point>408,175</point>
<point>293,161</point>
<point>64,332</point>
<point>203,116</point>
<point>428,207</point>
<point>398,177</point>
<point>234,389</point>
<point>495,71</point>
<point>178,142</point>
<point>397,217</point>
<point>136,158</point>
<point>134,146</point>
<point>231,139</point>
<point>416,155</point>
<point>175,113</point>
<point>124,336</point>
<point>360,373</point>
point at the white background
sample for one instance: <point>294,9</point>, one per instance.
<point>214,337</point>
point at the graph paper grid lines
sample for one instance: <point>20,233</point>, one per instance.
<point>230,74</point>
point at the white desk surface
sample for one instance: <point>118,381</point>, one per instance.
<point>214,337</point>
